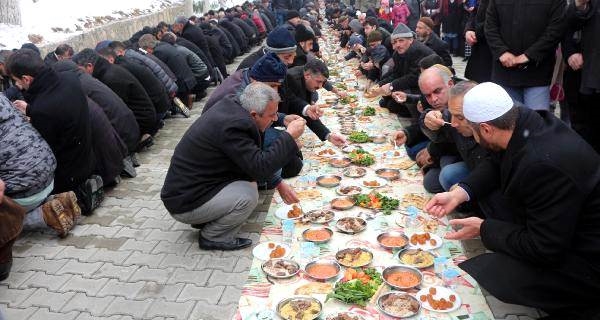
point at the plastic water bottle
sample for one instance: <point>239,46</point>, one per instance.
<point>287,230</point>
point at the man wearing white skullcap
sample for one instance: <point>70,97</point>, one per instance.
<point>546,250</point>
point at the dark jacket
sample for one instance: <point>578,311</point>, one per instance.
<point>297,97</point>
<point>108,147</point>
<point>220,36</point>
<point>281,4</point>
<point>251,59</point>
<point>529,27</point>
<point>195,49</point>
<point>248,31</point>
<point>128,88</point>
<point>440,47</point>
<point>589,22</point>
<point>237,33</point>
<point>154,88</point>
<point>222,146</point>
<point>556,204</point>
<point>198,67</point>
<point>196,36</point>
<point>176,61</point>
<point>234,84</point>
<point>235,46</point>
<point>119,115</point>
<point>155,68</point>
<point>479,66</point>
<point>59,111</point>
<point>405,75</point>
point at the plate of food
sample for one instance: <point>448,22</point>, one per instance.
<point>351,225</point>
<point>402,277</point>
<point>285,211</point>
<point>416,258</point>
<point>354,257</point>
<point>398,304</point>
<point>374,183</point>
<point>329,180</point>
<point>357,286</point>
<point>314,288</point>
<point>439,299</point>
<point>358,137</point>
<point>393,154</point>
<point>425,241</point>
<point>392,240</point>
<point>299,307</point>
<point>388,174</point>
<point>378,138</point>
<point>349,148</point>
<point>280,268</point>
<point>318,216</point>
<point>348,190</point>
<point>355,172</point>
<point>364,119</point>
<point>361,157</point>
<point>317,234</point>
<point>326,153</point>
<point>344,315</point>
<point>377,201</point>
<point>269,250</point>
<point>322,269</point>
<point>342,203</point>
<point>340,162</point>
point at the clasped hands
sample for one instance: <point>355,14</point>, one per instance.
<point>509,60</point>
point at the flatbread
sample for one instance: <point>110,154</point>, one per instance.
<point>414,199</point>
<point>308,194</point>
<point>314,288</point>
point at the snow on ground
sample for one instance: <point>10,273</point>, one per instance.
<point>50,21</point>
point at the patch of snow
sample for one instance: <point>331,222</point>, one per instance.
<point>56,20</point>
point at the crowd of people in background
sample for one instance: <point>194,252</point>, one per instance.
<point>72,122</point>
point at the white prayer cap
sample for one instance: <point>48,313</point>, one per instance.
<point>485,102</point>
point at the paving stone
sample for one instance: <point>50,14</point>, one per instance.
<point>176,260</point>
<point>112,201</point>
<point>243,265</point>
<point>208,294</point>
<point>155,290</point>
<point>219,277</point>
<point>49,281</point>
<point>36,250</point>
<point>14,297</point>
<point>87,316</point>
<point>207,311</point>
<point>142,245</point>
<point>170,236</point>
<point>225,264</point>
<point>82,268</point>
<point>169,247</point>
<point>176,226</point>
<point>99,218</point>
<point>17,313</point>
<point>16,279</point>
<point>48,299</point>
<point>105,255</point>
<point>105,243</point>
<point>150,204</point>
<point>132,233</point>
<point>98,230</point>
<point>83,302</point>
<point>45,314</point>
<point>41,264</point>
<point>88,286</point>
<point>133,308</point>
<point>80,230</point>
<point>76,253</point>
<point>151,213</point>
<point>19,263</point>
<point>144,259</point>
<point>122,289</point>
<point>199,277</point>
<point>190,236</point>
<point>180,310</point>
<point>502,310</point>
<point>76,241</point>
<point>108,270</point>
<point>150,274</point>
<point>152,223</point>
<point>230,296</point>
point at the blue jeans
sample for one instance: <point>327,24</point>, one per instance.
<point>412,151</point>
<point>453,173</point>
<point>536,98</point>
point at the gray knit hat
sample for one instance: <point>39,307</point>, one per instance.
<point>402,31</point>
<point>355,25</point>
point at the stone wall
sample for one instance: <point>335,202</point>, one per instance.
<point>121,30</point>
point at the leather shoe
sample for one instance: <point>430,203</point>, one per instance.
<point>198,225</point>
<point>5,270</point>
<point>236,244</point>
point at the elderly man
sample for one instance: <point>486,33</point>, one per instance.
<point>405,74</point>
<point>213,173</point>
<point>426,35</point>
<point>548,255</point>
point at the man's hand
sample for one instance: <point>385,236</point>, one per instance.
<point>289,118</point>
<point>2,188</point>
<point>443,203</point>
<point>521,59</point>
<point>471,37</point>
<point>507,59</point>
<point>433,120</point>
<point>337,139</point>
<point>385,89</point>
<point>399,138</point>
<point>399,96</point>
<point>296,128</point>
<point>21,106</point>
<point>423,158</point>
<point>469,228</point>
<point>314,112</point>
<point>575,61</point>
<point>287,193</point>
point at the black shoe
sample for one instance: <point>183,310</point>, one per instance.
<point>128,168</point>
<point>134,160</point>
<point>198,225</point>
<point>5,270</point>
<point>236,244</point>
<point>145,144</point>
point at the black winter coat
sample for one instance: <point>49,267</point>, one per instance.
<point>589,23</point>
<point>154,67</point>
<point>529,27</point>
<point>440,47</point>
<point>168,54</point>
<point>196,36</point>
<point>237,33</point>
<point>405,74</point>
<point>235,47</point>
<point>251,59</point>
<point>224,145</point>
<point>190,45</point>
<point>128,88</point>
<point>153,87</point>
<point>479,66</point>
<point>59,112</point>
